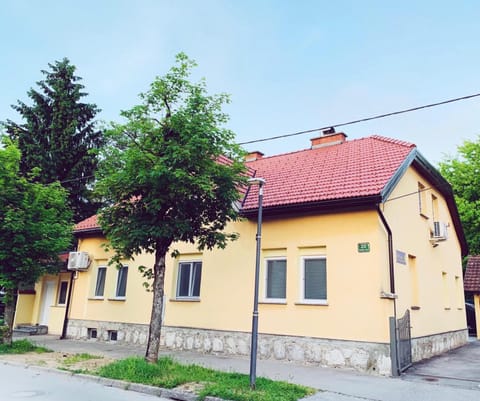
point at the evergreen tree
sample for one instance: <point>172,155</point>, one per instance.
<point>59,135</point>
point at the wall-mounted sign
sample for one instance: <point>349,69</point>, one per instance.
<point>363,247</point>
<point>401,257</point>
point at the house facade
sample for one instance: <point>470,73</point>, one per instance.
<point>472,287</point>
<point>354,233</point>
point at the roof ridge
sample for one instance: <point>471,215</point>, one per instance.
<point>392,140</point>
<point>374,136</point>
<point>279,155</point>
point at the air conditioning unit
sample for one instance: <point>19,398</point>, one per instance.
<point>440,232</point>
<point>78,261</point>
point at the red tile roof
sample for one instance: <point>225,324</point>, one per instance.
<point>357,168</point>
<point>472,275</point>
<point>88,224</point>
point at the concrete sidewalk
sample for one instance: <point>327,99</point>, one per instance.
<point>333,384</point>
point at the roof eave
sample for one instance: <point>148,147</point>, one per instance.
<point>324,207</point>
<point>85,232</point>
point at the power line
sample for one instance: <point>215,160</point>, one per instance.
<point>77,179</point>
<point>361,120</point>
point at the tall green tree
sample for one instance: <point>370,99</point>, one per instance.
<point>167,179</point>
<point>59,135</point>
<point>463,173</point>
<point>35,225</point>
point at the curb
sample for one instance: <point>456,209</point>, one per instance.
<point>120,384</point>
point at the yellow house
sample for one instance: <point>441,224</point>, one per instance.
<point>354,235</point>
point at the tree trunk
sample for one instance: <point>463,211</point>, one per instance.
<point>153,345</point>
<point>9,315</point>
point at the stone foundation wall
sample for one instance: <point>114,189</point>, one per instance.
<point>126,332</point>
<point>362,356</point>
<point>428,346</point>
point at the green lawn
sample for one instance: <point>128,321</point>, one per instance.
<point>230,386</point>
<point>21,347</point>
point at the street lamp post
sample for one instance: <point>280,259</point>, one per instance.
<point>253,349</point>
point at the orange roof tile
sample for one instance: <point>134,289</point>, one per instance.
<point>357,168</point>
<point>472,275</point>
<point>353,169</point>
<point>87,224</point>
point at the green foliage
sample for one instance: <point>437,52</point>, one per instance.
<point>463,173</point>
<point>73,359</point>
<point>167,373</point>
<point>58,136</point>
<point>164,172</point>
<point>170,173</point>
<point>35,226</point>
<point>21,347</point>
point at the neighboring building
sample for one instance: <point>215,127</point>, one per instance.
<point>472,286</point>
<point>354,232</point>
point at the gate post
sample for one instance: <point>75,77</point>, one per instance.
<point>394,346</point>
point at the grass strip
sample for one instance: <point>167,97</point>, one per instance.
<point>76,358</point>
<point>21,347</point>
<point>230,386</point>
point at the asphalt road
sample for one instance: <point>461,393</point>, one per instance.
<point>20,383</point>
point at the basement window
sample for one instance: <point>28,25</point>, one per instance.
<point>92,333</point>
<point>112,335</point>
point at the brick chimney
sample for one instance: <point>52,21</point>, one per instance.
<point>252,156</point>
<point>328,138</point>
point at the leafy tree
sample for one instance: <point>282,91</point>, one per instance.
<point>463,173</point>
<point>58,135</point>
<point>167,179</point>
<point>35,225</point>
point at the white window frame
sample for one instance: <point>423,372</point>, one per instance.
<point>190,285</point>
<point>118,282</point>
<point>96,283</point>
<point>266,299</point>
<point>309,301</point>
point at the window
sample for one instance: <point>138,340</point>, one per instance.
<point>122,282</point>
<point>62,293</point>
<point>412,263</point>
<point>189,277</point>
<point>446,295</point>
<point>435,208</point>
<point>314,280</point>
<point>276,279</point>
<point>100,286</point>
<point>422,199</point>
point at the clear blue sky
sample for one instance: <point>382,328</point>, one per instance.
<point>288,65</point>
